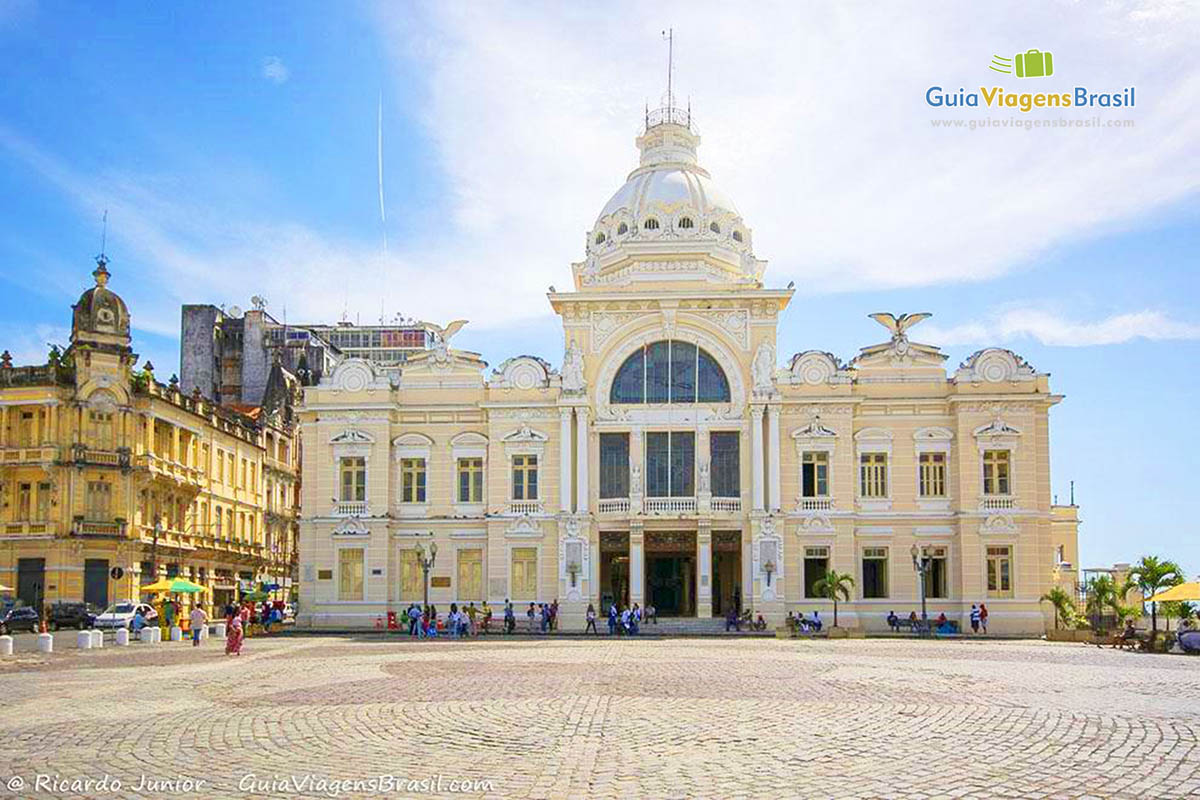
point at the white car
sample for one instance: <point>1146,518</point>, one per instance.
<point>121,614</point>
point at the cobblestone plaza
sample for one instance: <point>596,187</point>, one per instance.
<point>607,718</point>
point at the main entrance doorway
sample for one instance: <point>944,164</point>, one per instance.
<point>671,572</point>
<point>614,569</point>
<point>727,572</point>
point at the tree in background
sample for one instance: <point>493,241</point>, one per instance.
<point>1152,575</point>
<point>1064,606</point>
<point>834,584</point>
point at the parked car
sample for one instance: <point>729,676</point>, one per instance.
<point>23,618</point>
<point>121,614</point>
<point>70,615</point>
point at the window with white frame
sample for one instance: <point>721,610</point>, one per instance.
<point>937,580</point>
<point>872,475</point>
<point>525,477</point>
<point>814,473</point>
<point>816,564</point>
<point>999,571</point>
<point>353,471</point>
<point>470,574</point>
<point>932,474</point>
<point>523,577</point>
<point>412,480</point>
<point>470,480</point>
<point>874,573</point>
<point>996,465</point>
<point>350,573</point>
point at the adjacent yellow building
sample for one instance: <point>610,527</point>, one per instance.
<point>111,479</point>
<point>672,459</point>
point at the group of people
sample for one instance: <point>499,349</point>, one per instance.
<point>802,624</point>
<point>622,621</point>
<point>469,620</point>
<point>978,618</point>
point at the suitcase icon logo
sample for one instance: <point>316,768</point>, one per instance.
<point>1030,64</point>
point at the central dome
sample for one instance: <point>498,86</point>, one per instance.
<point>670,206</point>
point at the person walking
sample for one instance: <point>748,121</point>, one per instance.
<point>591,620</point>
<point>197,621</point>
<point>234,637</point>
<point>974,618</point>
<point>554,615</point>
<point>544,612</point>
<point>983,615</point>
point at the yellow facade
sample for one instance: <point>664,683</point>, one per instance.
<point>112,479</point>
<point>678,462</point>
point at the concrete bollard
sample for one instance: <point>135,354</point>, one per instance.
<point>122,637</point>
<point>83,640</point>
<point>176,633</point>
<point>97,639</point>
<point>45,642</point>
<point>147,634</point>
<point>6,644</point>
<point>219,630</point>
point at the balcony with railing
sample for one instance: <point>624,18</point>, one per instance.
<point>350,508</point>
<point>816,503</point>
<point>992,502</point>
<point>669,505</point>
<point>36,454</point>
<point>612,505</point>
<point>174,470</point>
<point>525,508</point>
<point>28,529</point>
<point>100,529</point>
<point>726,505</point>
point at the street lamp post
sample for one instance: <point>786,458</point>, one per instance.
<point>921,563</point>
<point>426,558</point>
<point>154,551</point>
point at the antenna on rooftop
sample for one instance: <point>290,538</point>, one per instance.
<point>669,35</point>
<point>102,259</point>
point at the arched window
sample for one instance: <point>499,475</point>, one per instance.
<point>714,227</point>
<point>600,237</point>
<point>685,222</point>
<point>670,371</point>
<point>622,229</point>
<point>651,224</point>
<point>737,236</point>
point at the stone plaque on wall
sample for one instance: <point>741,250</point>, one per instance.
<point>439,582</point>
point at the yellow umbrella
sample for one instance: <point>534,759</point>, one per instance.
<point>161,585</point>
<point>4,588</point>
<point>1182,592</point>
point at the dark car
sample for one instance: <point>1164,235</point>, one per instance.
<point>70,615</point>
<point>24,618</point>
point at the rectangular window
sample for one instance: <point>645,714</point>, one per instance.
<point>932,468</point>
<point>936,582</point>
<point>412,577</point>
<point>872,475</point>
<point>99,501</point>
<point>229,529</point>
<point>24,500</point>
<point>412,480</point>
<point>816,564</point>
<point>220,466</point>
<point>683,372</point>
<point>999,571</point>
<point>725,457</point>
<point>350,573</point>
<point>43,501</point>
<point>525,478</point>
<point>354,479</point>
<point>524,573</point>
<point>470,575</point>
<point>220,525</point>
<point>875,573</point>
<point>470,480</point>
<point>995,471</point>
<point>814,474</point>
<point>614,466</point>
<point>101,425</point>
<point>26,429</point>
<point>670,464</point>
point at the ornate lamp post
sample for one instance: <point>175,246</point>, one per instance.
<point>426,558</point>
<point>921,564</point>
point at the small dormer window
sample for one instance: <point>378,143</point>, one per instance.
<point>622,229</point>
<point>599,237</point>
<point>651,224</point>
<point>686,222</point>
<point>737,236</point>
<point>714,227</point>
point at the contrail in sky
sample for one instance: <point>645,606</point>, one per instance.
<point>382,214</point>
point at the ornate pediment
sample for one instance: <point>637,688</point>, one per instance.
<point>352,436</point>
<point>356,375</point>
<point>899,351</point>
<point>815,429</point>
<point>522,372</point>
<point>994,365</point>
<point>351,527</point>
<point>816,368</point>
<point>525,434</point>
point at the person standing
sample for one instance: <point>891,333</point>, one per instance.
<point>234,637</point>
<point>472,611</point>
<point>554,615</point>
<point>612,619</point>
<point>732,620</point>
<point>974,618</point>
<point>510,618</point>
<point>983,615</point>
<point>529,614</point>
<point>591,620</point>
<point>198,620</point>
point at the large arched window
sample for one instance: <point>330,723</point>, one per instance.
<point>670,371</point>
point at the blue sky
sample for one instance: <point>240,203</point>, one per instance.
<point>234,147</point>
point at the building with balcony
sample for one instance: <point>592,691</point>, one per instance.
<point>110,479</point>
<point>672,459</point>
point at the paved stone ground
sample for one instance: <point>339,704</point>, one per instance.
<point>720,718</point>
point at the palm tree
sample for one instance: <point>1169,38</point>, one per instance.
<point>833,584</point>
<point>1064,607</point>
<point>1101,594</point>
<point>1152,574</point>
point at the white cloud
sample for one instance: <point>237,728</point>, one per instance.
<point>813,119</point>
<point>31,346</point>
<point>274,70</point>
<point>1050,328</point>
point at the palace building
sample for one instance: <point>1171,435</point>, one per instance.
<point>111,479</point>
<point>672,459</point>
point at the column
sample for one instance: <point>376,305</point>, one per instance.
<point>581,456</point>
<point>564,459</point>
<point>756,456</point>
<point>637,568</point>
<point>637,480</point>
<point>704,570</point>
<point>175,454</point>
<point>3,426</point>
<point>773,458</point>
